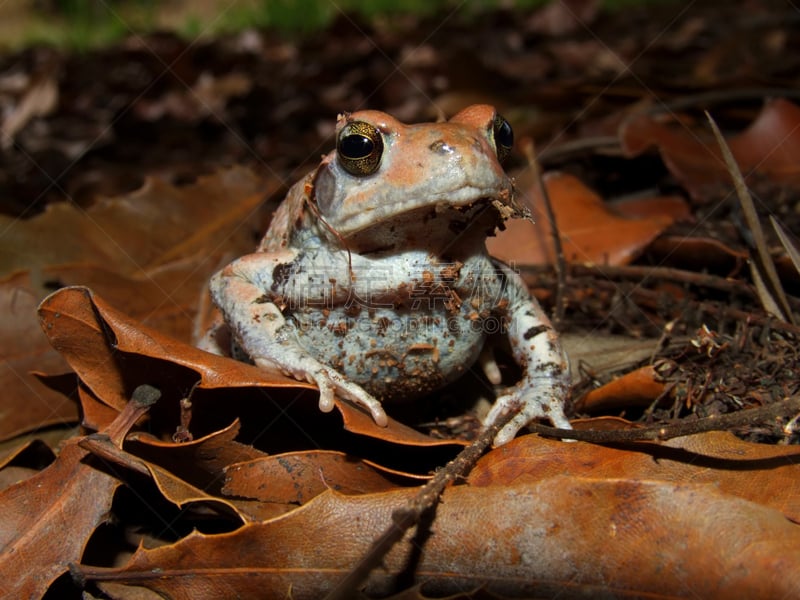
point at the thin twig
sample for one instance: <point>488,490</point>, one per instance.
<point>764,267</point>
<point>783,408</point>
<point>788,245</point>
<point>529,150</point>
<point>643,273</point>
<point>406,517</point>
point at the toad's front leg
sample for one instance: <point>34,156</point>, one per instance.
<point>545,383</point>
<point>259,327</point>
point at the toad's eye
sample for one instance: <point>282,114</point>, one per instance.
<point>503,137</point>
<point>359,148</point>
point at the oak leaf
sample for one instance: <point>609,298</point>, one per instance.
<point>657,538</point>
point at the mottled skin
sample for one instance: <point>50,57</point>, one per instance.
<point>374,283</point>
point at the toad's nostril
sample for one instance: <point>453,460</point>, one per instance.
<point>441,147</point>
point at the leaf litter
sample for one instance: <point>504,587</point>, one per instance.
<point>234,483</point>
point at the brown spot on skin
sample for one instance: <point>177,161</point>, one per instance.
<point>339,328</point>
<point>421,348</point>
<point>453,302</point>
<point>534,331</point>
<point>280,275</point>
<point>383,326</point>
<point>451,272</point>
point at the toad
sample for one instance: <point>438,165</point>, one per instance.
<point>373,281</point>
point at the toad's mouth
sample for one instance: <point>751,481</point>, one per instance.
<point>505,209</point>
<point>436,227</point>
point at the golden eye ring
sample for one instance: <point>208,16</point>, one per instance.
<point>359,148</point>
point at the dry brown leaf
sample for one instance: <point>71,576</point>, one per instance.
<point>701,253</point>
<point>48,518</point>
<point>32,447</point>
<point>769,146</point>
<point>169,299</point>
<point>654,207</point>
<point>24,461</point>
<point>28,404</point>
<point>300,476</point>
<point>764,474</point>
<point>658,539</point>
<point>639,387</point>
<point>111,353</point>
<point>591,231</point>
<point>602,353</point>
<point>151,252</point>
<point>172,488</point>
<point>137,234</point>
<point>95,414</point>
<point>201,462</point>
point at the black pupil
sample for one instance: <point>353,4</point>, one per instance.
<point>505,135</point>
<point>356,146</point>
